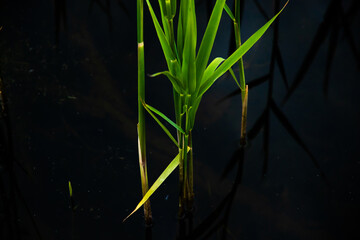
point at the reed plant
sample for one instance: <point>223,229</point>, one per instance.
<point>141,117</point>
<point>242,84</point>
<point>191,76</point>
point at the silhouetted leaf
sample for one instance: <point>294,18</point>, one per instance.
<point>330,57</point>
<point>291,130</point>
<point>281,66</point>
<point>261,10</point>
<point>318,40</point>
<point>254,131</point>
<point>238,156</point>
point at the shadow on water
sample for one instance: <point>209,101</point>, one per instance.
<point>263,122</point>
<point>218,220</point>
<point>11,199</point>
<point>335,19</point>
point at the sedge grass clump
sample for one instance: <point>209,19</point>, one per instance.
<point>191,76</point>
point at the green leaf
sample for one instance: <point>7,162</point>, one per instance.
<point>169,55</point>
<point>211,68</point>
<point>169,169</point>
<point>230,61</point>
<point>208,39</point>
<point>164,117</point>
<point>189,53</point>
<point>70,189</point>
<point>229,12</point>
<point>235,79</point>
<point>177,84</point>
<point>161,125</point>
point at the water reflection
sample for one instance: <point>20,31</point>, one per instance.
<point>263,122</point>
<point>218,220</point>
<point>335,20</point>
<point>88,85</point>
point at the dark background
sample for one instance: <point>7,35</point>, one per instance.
<point>69,85</point>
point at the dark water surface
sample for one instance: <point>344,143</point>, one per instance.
<point>68,71</point>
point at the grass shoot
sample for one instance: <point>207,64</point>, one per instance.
<point>191,76</point>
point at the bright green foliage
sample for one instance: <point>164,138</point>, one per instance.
<point>191,76</point>
<point>169,169</point>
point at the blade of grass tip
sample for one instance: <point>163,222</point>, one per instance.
<point>162,126</point>
<point>164,117</point>
<point>164,175</point>
<point>229,12</point>
<point>208,39</point>
<point>235,79</point>
<point>70,190</point>
<point>230,61</point>
<point>169,55</point>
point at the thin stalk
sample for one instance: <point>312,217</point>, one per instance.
<point>141,110</point>
<point>190,173</point>
<point>244,117</point>
<point>243,86</point>
<point>238,44</point>
<point>181,177</point>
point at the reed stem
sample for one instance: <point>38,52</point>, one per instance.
<point>243,86</point>
<point>141,110</point>
<point>244,117</point>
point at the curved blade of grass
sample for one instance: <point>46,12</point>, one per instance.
<point>161,125</point>
<point>230,61</point>
<point>235,79</point>
<point>163,116</point>
<point>169,55</point>
<point>177,84</point>
<point>211,68</point>
<point>208,39</point>
<point>229,12</point>
<point>168,170</point>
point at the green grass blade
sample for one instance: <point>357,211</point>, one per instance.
<point>163,116</point>
<point>208,39</point>
<point>70,187</point>
<point>235,79</point>
<point>229,12</point>
<point>161,125</point>
<point>237,33</point>
<point>230,61</point>
<point>189,52</point>
<point>169,169</point>
<point>211,68</point>
<point>169,55</point>
<point>141,114</point>
<point>177,84</point>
